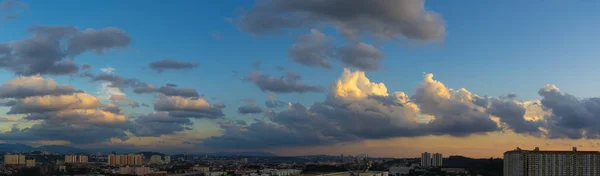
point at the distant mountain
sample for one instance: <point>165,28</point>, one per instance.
<point>259,154</point>
<point>5,147</point>
<point>15,147</point>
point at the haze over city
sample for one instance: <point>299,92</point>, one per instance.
<point>301,77</point>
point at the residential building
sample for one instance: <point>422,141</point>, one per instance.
<point>201,168</point>
<point>125,160</point>
<point>436,160</point>
<point>134,170</point>
<point>426,159</point>
<point>167,159</point>
<point>14,159</point>
<point>551,163</point>
<point>155,159</point>
<point>30,163</point>
<point>83,159</point>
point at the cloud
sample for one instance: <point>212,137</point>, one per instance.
<point>360,55</point>
<point>250,109</point>
<point>454,112</point>
<point>145,88</point>
<point>174,91</point>
<point>54,103</point>
<point>170,64</point>
<point>287,84</point>
<point>98,40</point>
<point>159,123</point>
<point>117,98</point>
<point>43,52</point>
<point>28,86</point>
<point>312,49</point>
<point>513,114</point>
<point>274,104</point>
<point>11,7</point>
<point>116,80</point>
<point>387,19</point>
<point>80,116</point>
<point>187,107</point>
<point>571,117</point>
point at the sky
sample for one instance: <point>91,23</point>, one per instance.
<point>298,77</point>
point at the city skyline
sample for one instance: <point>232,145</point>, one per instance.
<point>387,78</point>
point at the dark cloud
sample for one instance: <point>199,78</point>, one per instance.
<point>178,106</point>
<point>174,91</point>
<point>86,66</point>
<point>241,122</point>
<point>360,55</point>
<point>313,49</point>
<point>8,103</point>
<point>513,115</point>
<point>356,110</point>
<point>287,84</point>
<point>44,52</point>
<point>170,64</point>
<point>384,19</point>
<point>271,104</point>
<point>145,88</point>
<point>171,85</point>
<point>571,117</point>
<point>157,124</point>
<point>145,105</point>
<point>250,109</point>
<point>98,40</point>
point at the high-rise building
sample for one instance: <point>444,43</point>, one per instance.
<point>112,159</point>
<point>30,163</point>
<point>138,160</point>
<point>425,159</point>
<point>83,159</point>
<point>124,160</point>
<point>14,159</point>
<point>436,160</point>
<point>551,163</point>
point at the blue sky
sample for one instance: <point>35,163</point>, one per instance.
<point>491,48</point>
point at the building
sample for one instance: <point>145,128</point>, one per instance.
<point>551,163</point>
<point>436,160</point>
<point>244,161</point>
<point>76,158</point>
<point>14,159</point>
<point>134,170</point>
<point>167,159</point>
<point>112,159</point>
<point>30,163</point>
<point>425,159</point>
<point>155,159</point>
<point>399,170</point>
<point>125,160</point>
<point>201,168</point>
<point>83,159</point>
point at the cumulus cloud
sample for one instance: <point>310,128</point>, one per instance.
<point>454,112</point>
<point>159,123</point>
<point>187,107</point>
<point>74,133</point>
<point>287,84</point>
<point>54,103</point>
<point>28,86</point>
<point>122,98</point>
<point>250,109</point>
<point>170,64</point>
<point>513,114</point>
<point>43,52</point>
<point>98,40</point>
<point>386,19</point>
<point>571,117</point>
<point>360,55</point>
<point>312,49</point>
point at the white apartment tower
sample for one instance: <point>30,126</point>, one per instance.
<point>425,159</point>
<point>551,163</point>
<point>436,160</point>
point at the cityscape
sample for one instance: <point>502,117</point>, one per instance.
<point>299,88</point>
